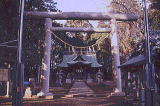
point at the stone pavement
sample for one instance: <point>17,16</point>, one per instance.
<point>79,88</point>
<point>82,96</point>
<point>75,101</point>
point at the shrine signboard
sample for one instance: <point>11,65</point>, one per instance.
<point>4,74</point>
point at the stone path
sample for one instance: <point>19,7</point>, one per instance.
<point>75,101</point>
<point>79,88</point>
<point>82,96</point>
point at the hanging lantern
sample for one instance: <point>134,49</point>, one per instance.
<point>99,48</point>
<point>87,49</point>
<point>73,50</point>
<point>90,49</point>
<point>93,48</point>
<point>81,51</point>
<point>69,49</point>
<point>65,45</point>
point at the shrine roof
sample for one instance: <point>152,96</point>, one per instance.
<point>82,59</point>
<point>134,61</point>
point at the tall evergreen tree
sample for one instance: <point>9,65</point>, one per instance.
<point>33,39</point>
<point>154,20</point>
<point>130,33</point>
<point>8,31</point>
<point>33,33</point>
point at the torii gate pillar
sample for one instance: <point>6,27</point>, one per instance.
<point>116,56</point>
<point>47,58</point>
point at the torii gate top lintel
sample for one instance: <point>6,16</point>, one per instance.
<point>82,15</point>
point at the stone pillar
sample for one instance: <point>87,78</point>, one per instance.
<point>47,57</point>
<point>116,56</point>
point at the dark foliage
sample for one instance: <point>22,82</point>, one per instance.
<point>33,33</point>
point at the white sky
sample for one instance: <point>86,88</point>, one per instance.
<point>83,6</point>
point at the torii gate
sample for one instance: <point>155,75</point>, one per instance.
<point>48,16</point>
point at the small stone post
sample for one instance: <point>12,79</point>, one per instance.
<point>7,89</point>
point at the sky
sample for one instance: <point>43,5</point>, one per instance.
<point>83,6</point>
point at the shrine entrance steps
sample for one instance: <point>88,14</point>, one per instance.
<point>80,89</point>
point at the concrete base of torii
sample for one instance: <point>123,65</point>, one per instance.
<point>45,95</point>
<point>117,93</point>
